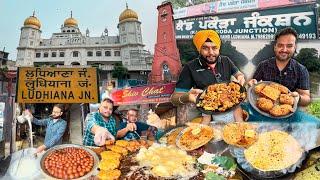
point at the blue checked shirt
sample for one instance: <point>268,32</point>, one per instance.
<point>96,119</point>
<point>54,130</point>
<point>294,76</point>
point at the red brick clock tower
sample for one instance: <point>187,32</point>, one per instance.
<point>166,64</point>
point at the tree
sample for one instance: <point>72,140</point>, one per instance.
<point>119,71</point>
<point>188,52</point>
<point>238,58</point>
<point>309,58</point>
<point>265,53</point>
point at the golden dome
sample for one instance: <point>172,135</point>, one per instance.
<point>71,22</point>
<point>32,21</point>
<point>128,14</point>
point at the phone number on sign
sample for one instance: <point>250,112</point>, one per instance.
<point>307,36</point>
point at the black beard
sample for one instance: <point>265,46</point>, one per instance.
<point>207,61</point>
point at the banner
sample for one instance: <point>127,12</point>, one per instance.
<point>261,24</point>
<point>232,6</point>
<point>57,85</point>
<point>236,5</point>
<point>143,95</point>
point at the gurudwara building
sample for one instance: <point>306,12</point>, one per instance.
<point>70,47</point>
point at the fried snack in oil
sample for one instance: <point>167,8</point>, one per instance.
<point>133,146</point>
<point>281,110</point>
<point>195,137</point>
<point>118,149</point>
<point>259,88</point>
<point>109,164</point>
<point>286,99</point>
<point>271,92</point>
<point>240,134</point>
<point>275,150</point>
<point>122,143</point>
<point>281,88</point>
<point>220,97</point>
<point>264,104</point>
<point>109,174</point>
<point>105,155</point>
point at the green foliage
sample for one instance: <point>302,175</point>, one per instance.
<point>309,58</point>
<point>214,176</point>
<point>119,71</point>
<point>238,58</point>
<point>225,162</point>
<point>265,53</point>
<point>314,108</point>
<point>188,52</point>
<point>183,3</point>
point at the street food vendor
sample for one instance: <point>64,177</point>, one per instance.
<point>209,68</point>
<point>130,128</point>
<point>100,126</point>
<point>55,127</point>
<point>285,70</point>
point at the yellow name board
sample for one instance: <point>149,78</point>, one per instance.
<point>57,85</point>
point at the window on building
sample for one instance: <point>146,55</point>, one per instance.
<point>124,39</point>
<point>98,53</point>
<point>68,30</point>
<point>116,53</point>
<point>107,53</point>
<point>64,31</point>
<point>45,54</point>
<point>54,54</point>
<point>31,43</point>
<point>73,31</point>
<point>32,33</point>
<point>123,28</point>
<point>61,54</point>
<point>90,53</point>
<point>38,55</point>
<point>75,53</point>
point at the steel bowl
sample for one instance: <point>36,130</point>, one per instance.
<point>87,176</point>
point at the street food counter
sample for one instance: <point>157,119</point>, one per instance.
<point>193,151</point>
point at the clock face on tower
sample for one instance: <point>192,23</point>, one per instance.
<point>164,15</point>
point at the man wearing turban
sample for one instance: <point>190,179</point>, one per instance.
<point>209,68</point>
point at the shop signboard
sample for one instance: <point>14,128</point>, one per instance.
<point>57,85</point>
<point>151,94</point>
<point>223,6</point>
<point>262,24</point>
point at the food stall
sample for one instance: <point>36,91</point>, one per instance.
<point>237,150</point>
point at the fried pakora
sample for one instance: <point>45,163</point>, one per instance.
<point>122,143</point>
<point>286,99</point>
<point>271,92</point>
<point>118,149</point>
<point>281,88</point>
<point>109,164</point>
<point>239,134</point>
<point>105,155</point>
<point>259,88</point>
<point>221,97</point>
<point>281,110</point>
<point>109,174</point>
<point>264,104</point>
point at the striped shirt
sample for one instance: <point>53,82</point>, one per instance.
<point>96,119</point>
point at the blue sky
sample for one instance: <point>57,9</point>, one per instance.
<point>94,15</point>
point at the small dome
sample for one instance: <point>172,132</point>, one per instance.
<point>32,21</point>
<point>70,22</point>
<point>128,14</point>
